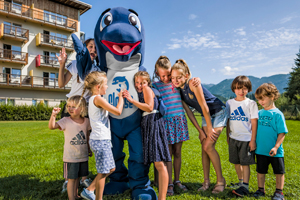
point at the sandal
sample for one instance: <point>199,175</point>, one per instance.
<point>205,186</point>
<point>182,187</point>
<point>170,192</point>
<point>219,187</point>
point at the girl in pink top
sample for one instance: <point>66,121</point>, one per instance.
<point>76,148</point>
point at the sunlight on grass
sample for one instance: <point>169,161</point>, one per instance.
<point>32,167</point>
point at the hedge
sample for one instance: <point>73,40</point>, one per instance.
<point>25,112</point>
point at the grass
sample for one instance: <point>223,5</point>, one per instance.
<point>32,167</point>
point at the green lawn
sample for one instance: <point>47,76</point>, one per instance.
<point>32,167</point>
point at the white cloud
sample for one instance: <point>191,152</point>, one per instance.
<point>174,46</point>
<point>287,19</point>
<point>227,70</point>
<point>199,25</point>
<point>213,70</point>
<point>240,31</point>
<point>163,52</point>
<point>192,16</point>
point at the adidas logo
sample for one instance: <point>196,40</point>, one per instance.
<point>79,139</point>
<point>239,115</point>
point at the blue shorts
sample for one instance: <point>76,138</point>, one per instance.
<point>218,119</point>
<point>103,155</point>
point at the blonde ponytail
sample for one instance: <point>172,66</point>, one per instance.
<point>162,62</point>
<point>180,64</point>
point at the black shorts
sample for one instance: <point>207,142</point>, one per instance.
<point>263,163</point>
<point>76,170</point>
<point>239,153</point>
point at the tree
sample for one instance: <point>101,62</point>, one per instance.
<point>293,89</point>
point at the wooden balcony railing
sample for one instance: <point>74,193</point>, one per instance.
<point>16,31</point>
<point>13,56</point>
<point>30,81</point>
<point>49,40</point>
<point>49,61</point>
<point>37,15</point>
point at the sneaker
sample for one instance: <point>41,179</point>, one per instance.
<point>258,194</point>
<point>241,191</point>
<point>64,187</point>
<point>278,196</point>
<point>86,194</point>
<point>86,183</point>
<point>235,186</point>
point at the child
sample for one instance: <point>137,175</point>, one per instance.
<point>100,139</point>
<point>213,121</point>
<point>76,148</point>
<point>271,131</point>
<point>155,143</point>
<point>174,119</point>
<point>77,84</point>
<point>241,132</point>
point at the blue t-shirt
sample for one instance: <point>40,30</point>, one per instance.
<point>270,124</point>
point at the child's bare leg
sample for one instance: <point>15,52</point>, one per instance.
<point>70,188</point>
<point>100,183</point>
<point>155,176</point>
<point>169,167</point>
<point>205,164</point>
<point>76,188</point>
<point>246,173</point>
<point>279,181</point>
<point>209,147</point>
<point>177,160</point>
<point>92,187</point>
<point>163,179</point>
<point>261,180</point>
<point>239,171</point>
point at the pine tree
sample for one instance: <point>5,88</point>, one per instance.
<point>293,89</point>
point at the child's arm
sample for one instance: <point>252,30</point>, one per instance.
<point>63,78</point>
<point>205,110</point>
<point>88,143</point>
<point>102,103</point>
<point>279,141</point>
<point>194,121</point>
<point>52,124</point>
<point>149,100</point>
<point>227,131</point>
<point>252,143</point>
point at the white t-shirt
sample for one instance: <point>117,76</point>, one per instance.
<point>77,88</point>
<point>240,114</point>
<point>99,121</point>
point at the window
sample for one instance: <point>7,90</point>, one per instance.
<point>2,102</point>
<point>55,18</point>
<point>46,103</point>
<point>16,8</point>
<point>10,102</point>
<point>52,80</point>
<point>15,75</point>
<point>34,102</point>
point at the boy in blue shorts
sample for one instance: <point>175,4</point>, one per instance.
<point>271,131</point>
<point>241,132</point>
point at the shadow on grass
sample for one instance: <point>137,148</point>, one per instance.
<point>28,187</point>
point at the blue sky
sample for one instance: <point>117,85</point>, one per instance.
<point>218,39</point>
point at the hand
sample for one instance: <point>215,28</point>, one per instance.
<point>90,153</point>
<point>213,135</point>
<point>62,58</point>
<point>196,82</point>
<point>120,94</point>
<point>127,95</point>
<point>252,145</point>
<point>55,111</point>
<point>273,151</point>
<point>202,136</point>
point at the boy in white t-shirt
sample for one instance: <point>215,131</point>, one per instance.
<point>241,132</point>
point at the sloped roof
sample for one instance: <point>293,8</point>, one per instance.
<point>81,6</point>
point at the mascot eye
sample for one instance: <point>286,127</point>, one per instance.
<point>106,20</point>
<point>134,21</point>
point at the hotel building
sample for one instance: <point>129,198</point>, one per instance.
<point>32,32</point>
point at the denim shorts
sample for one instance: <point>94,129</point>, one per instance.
<point>218,119</point>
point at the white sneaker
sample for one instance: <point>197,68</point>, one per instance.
<point>86,183</point>
<point>64,187</point>
<point>86,194</point>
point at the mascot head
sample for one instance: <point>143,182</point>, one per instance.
<point>119,32</point>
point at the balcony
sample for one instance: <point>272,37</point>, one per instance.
<point>48,61</point>
<point>38,16</point>
<point>14,33</point>
<point>29,82</point>
<point>54,42</point>
<point>7,55</point>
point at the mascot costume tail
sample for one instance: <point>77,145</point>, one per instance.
<point>120,42</point>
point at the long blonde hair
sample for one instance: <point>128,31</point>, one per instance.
<point>79,102</point>
<point>145,76</point>
<point>92,79</point>
<point>181,65</point>
<point>162,62</point>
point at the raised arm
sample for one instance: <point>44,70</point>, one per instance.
<point>102,103</point>
<point>149,100</point>
<point>52,124</point>
<point>63,78</point>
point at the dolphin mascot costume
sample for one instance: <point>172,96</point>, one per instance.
<point>120,42</point>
